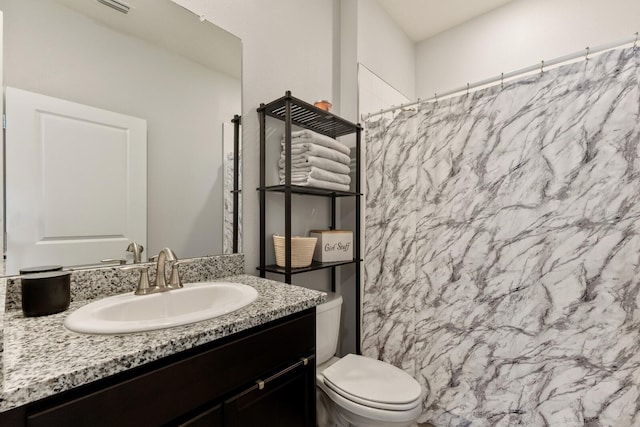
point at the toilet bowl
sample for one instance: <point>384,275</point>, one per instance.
<point>357,390</point>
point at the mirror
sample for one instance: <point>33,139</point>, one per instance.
<point>160,63</point>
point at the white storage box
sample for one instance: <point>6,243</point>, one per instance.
<point>333,245</point>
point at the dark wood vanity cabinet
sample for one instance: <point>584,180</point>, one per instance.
<point>261,377</point>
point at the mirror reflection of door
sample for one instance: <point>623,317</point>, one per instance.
<point>75,184</point>
<point>158,62</point>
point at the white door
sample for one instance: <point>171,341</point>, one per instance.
<point>76,182</point>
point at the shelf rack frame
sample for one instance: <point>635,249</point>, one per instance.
<point>295,112</point>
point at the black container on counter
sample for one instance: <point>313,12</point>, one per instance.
<point>45,293</point>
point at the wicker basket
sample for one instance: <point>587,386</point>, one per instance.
<point>301,250</point>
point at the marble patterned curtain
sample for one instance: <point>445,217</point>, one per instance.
<point>502,248</point>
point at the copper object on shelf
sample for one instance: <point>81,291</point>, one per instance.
<point>323,105</point>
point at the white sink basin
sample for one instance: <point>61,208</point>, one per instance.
<point>137,313</point>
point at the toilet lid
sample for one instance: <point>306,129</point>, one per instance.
<point>372,382</point>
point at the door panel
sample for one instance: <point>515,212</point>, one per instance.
<point>75,184</point>
<point>95,185</point>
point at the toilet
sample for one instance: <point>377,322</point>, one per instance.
<point>357,390</point>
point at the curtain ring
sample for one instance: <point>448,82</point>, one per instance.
<point>635,42</point>
<point>542,66</point>
<point>435,95</point>
<point>467,89</point>
<point>418,105</point>
<point>586,57</point>
<point>501,80</point>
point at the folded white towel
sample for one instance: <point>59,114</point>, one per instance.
<point>304,162</point>
<point>318,183</point>
<point>319,151</point>
<point>329,176</point>
<point>294,175</point>
<point>311,136</point>
<point>317,173</point>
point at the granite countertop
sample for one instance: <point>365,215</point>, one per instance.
<point>41,357</point>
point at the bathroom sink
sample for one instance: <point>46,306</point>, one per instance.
<point>137,313</point>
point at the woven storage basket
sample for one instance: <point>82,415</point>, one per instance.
<point>301,250</point>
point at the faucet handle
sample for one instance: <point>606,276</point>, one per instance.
<point>174,279</point>
<point>144,286</point>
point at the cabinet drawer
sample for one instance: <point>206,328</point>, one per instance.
<point>169,391</point>
<point>209,418</point>
<point>284,399</point>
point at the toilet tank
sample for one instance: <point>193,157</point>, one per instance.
<point>327,327</point>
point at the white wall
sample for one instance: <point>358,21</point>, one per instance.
<point>384,48</point>
<point>286,45</point>
<point>52,50</point>
<point>375,94</point>
<point>517,35</point>
<point>348,105</point>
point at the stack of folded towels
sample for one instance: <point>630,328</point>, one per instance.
<point>317,161</point>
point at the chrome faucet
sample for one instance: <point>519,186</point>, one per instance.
<point>136,249</point>
<point>161,279</point>
<point>160,284</point>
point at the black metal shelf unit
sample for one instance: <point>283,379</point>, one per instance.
<point>298,189</point>
<point>293,111</point>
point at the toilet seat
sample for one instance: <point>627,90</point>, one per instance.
<point>372,383</point>
<point>384,417</point>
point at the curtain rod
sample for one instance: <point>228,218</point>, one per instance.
<point>585,52</point>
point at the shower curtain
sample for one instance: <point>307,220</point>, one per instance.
<point>502,248</point>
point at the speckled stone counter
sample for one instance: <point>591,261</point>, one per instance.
<point>41,357</point>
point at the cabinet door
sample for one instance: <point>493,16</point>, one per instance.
<point>209,418</point>
<point>286,399</point>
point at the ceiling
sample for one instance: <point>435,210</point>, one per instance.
<point>168,25</point>
<point>421,19</point>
